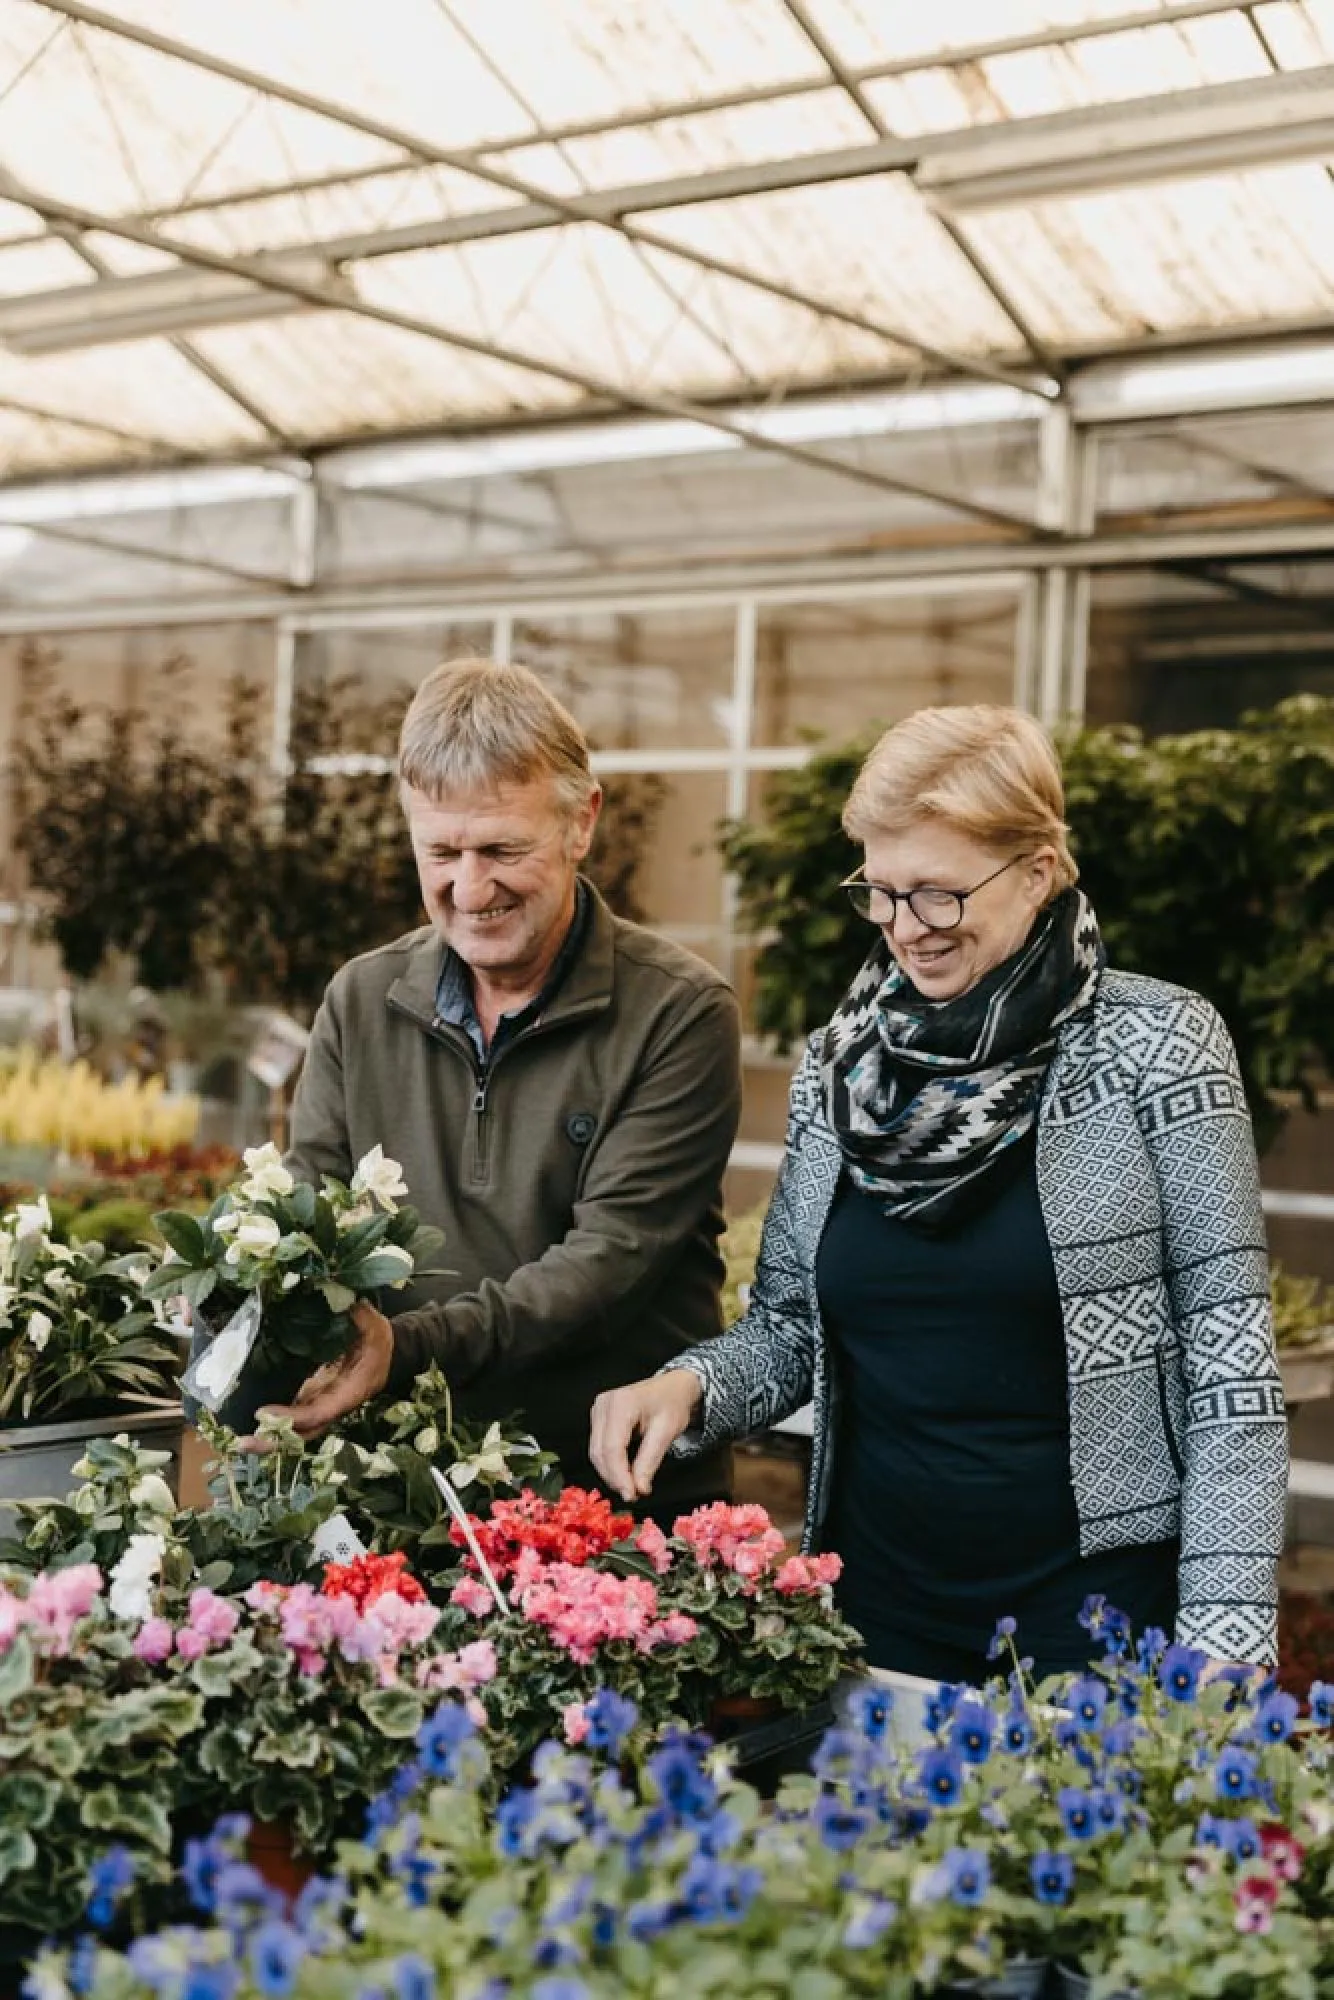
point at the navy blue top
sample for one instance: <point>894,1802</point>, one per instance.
<point>952,1498</point>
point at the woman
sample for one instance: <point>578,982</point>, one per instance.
<point>1015,1253</point>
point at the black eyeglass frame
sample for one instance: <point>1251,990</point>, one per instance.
<point>857,885</point>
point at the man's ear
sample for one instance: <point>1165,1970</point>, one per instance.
<point>584,824</point>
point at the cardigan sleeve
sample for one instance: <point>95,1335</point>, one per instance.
<point>1230,1421</point>
<point>762,1368</point>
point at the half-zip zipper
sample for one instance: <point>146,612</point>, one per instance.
<point>453,1038</point>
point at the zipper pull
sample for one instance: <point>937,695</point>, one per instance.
<point>479,1098</point>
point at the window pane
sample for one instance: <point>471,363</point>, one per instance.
<point>638,680</point>
<point>840,668</point>
<point>354,685</point>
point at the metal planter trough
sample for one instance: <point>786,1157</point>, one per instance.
<point>37,1460</point>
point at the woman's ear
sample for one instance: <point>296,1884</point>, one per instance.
<point>1040,875</point>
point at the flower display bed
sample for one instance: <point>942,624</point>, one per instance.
<point>1160,1833</point>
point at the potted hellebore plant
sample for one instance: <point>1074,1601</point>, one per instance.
<point>82,1352</point>
<point>271,1271</point>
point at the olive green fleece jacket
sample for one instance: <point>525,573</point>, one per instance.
<point>578,1188</point>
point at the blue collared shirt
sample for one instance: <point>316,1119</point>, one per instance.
<point>454,1005</point>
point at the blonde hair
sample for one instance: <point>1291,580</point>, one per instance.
<point>988,771</point>
<point>474,724</point>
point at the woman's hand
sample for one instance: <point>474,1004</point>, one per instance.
<point>342,1386</point>
<point>655,1413</point>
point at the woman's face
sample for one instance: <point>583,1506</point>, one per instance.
<point>944,964</point>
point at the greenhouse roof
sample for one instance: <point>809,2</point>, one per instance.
<point>272,226</point>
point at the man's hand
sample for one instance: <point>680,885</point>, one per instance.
<point>655,1412</point>
<point>344,1385</point>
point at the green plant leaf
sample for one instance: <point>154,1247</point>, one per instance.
<point>184,1235</point>
<point>393,1711</point>
<point>127,1809</point>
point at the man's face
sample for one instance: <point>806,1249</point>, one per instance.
<point>498,870</point>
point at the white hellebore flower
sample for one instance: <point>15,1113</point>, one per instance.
<point>39,1330</point>
<point>224,1224</point>
<point>489,1461</point>
<point>380,1178</point>
<point>32,1219</point>
<point>153,1494</point>
<point>267,1174</point>
<point>256,1236</point>
<point>134,1575</point>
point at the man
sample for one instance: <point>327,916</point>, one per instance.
<point>560,1087</point>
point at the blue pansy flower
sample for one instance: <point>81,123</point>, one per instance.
<point>869,1710</point>
<point>940,1706</point>
<point>1241,1838</point>
<point>1179,1671</point>
<point>611,1717</point>
<point>840,1826</point>
<point>971,1731</point>
<point>1017,1732</point>
<point>414,1978</point>
<point>649,1918</point>
<point>554,1951</point>
<point>1234,1773</point>
<point>868,1923</point>
<point>1211,1831</point>
<point>513,1816</point>
<point>1052,1876</point>
<point>1151,1646</point>
<point>210,1982</point>
<point>941,1776</point>
<point>441,1737</point>
<point>1078,1810</point>
<point>965,1874</point>
<point>1320,1701</point>
<point>276,1952</point>
<point>685,1786</point>
<point>1110,1808</point>
<point>1276,1717</point>
<point>559,1989</point>
<point>108,1879</point>
<point>1005,1630</point>
<point>1087,1701</point>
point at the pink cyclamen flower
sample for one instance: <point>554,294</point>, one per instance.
<point>13,1617</point>
<point>472,1596</point>
<point>801,1575</point>
<point>575,1722</point>
<point>153,1641</point>
<point>401,1624</point>
<point>59,1598</point>
<point>653,1544</point>
<point>475,1712</point>
<point>191,1644</point>
<point>678,1628</point>
<point>212,1617</point>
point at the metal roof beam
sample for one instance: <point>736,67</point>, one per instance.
<point>169,558</point>
<point>409,599</point>
<point>965,55</point>
<point>569,208</point>
<point>972,256</point>
<point>52,209</point>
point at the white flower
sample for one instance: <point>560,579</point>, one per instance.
<point>8,1294</point>
<point>256,1235</point>
<point>427,1442</point>
<point>139,1274</point>
<point>153,1494</point>
<point>490,1461</point>
<point>32,1219</point>
<point>290,1281</point>
<point>131,1580</point>
<point>380,1178</point>
<point>59,1281</point>
<point>404,1257</point>
<point>350,1217</point>
<point>39,1330</point>
<point>267,1174</point>
<point>224,1224</point>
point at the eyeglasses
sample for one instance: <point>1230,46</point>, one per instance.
<point>936,909</point>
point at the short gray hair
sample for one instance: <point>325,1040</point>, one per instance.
<point>474,724</point>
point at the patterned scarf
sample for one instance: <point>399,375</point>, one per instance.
<point>929,1097</point>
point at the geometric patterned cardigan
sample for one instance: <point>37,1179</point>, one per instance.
<point>1150,1195</point>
